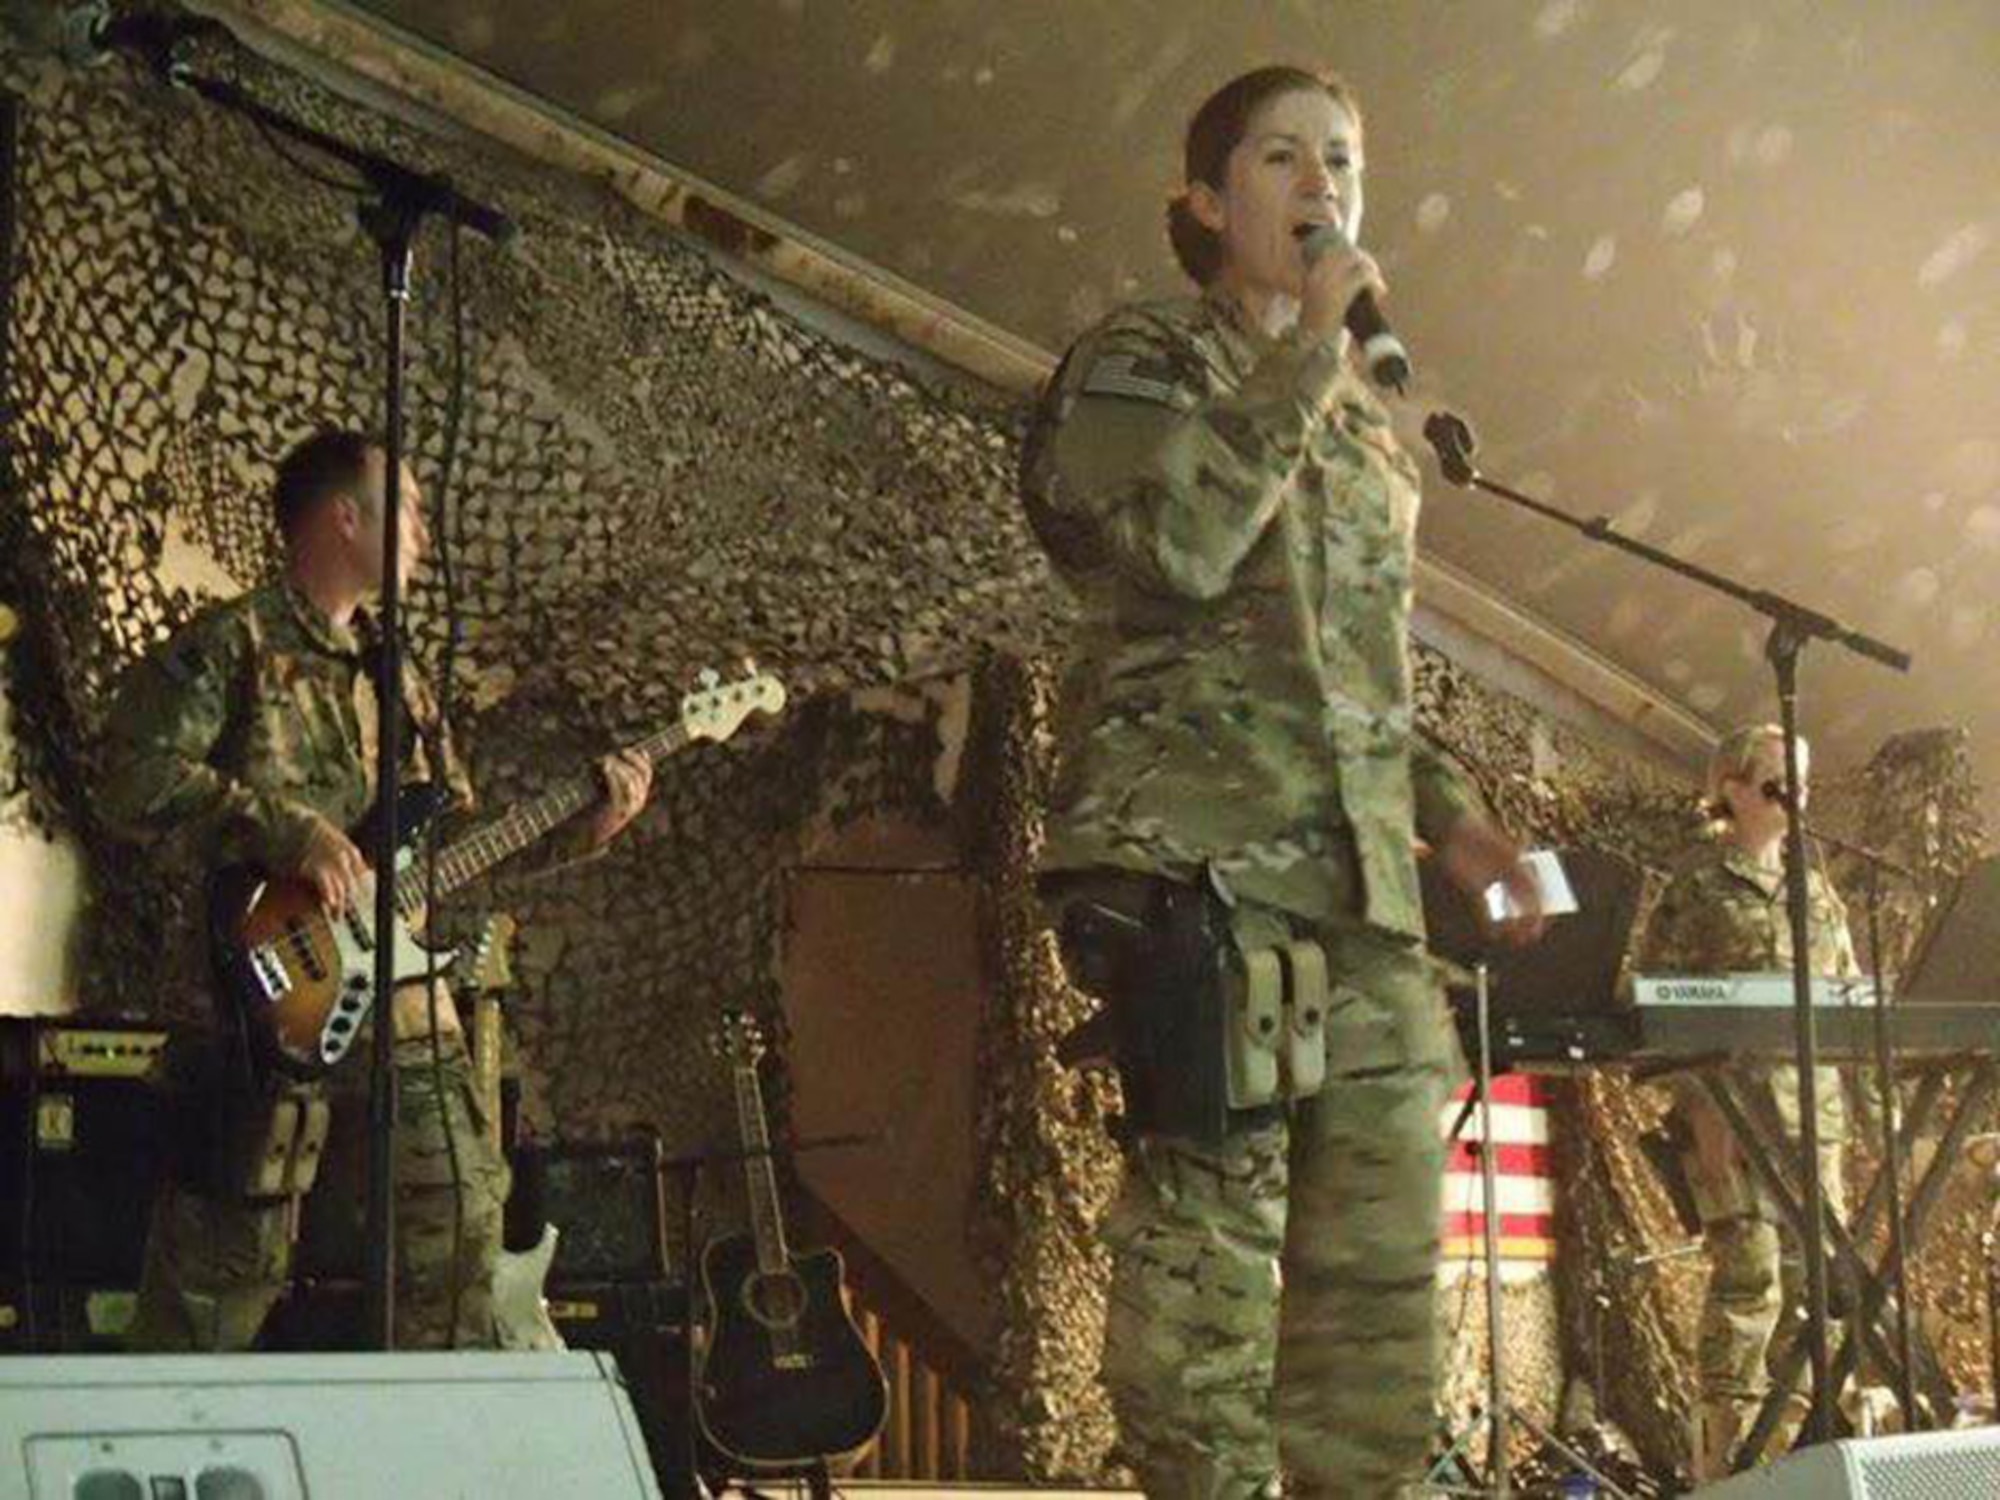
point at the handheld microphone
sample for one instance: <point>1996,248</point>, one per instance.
<point>1382,353</point>
<point>90,33</point>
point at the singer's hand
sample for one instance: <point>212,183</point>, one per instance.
<point>1475,855</point>
<point>1342,272</point>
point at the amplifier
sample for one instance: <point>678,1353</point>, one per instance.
<point>643,1326</point>
<point>607,1200</point>
<point>640,1326</point>
<point>82,1142</point>
<point>329,1426</point>
<point>52,1317</point>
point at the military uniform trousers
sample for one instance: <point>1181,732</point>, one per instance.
<point>1756,1269</point>
<point>1273,1301</point>
<point>215,1264</point>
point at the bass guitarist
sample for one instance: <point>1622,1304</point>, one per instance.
<point>250,736</point>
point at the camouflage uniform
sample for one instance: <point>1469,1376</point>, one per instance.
<point>226,742</point>
<point>1239,525</point>
<point>1722,913</point>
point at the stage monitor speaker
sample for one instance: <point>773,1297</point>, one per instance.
<point>328,1426</point>
<point>1909,1466</point>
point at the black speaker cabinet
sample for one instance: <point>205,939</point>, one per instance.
<point>53,1317</point>
<point>606,1200</point>
<point>641,1325</point>
<point>82,1141</point>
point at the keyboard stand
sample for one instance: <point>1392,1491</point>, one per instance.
<point>1777,1164</point>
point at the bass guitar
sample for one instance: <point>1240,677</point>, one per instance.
<point>786,1380</point>
<point>521,1318</point>
<point>300,983</point>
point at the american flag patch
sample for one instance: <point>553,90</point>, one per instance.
<point>1120,375</point>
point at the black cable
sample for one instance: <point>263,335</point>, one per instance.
<point>30,1153</point>
<point>10,158</point>
<point>311,173</point>
<point>1465,1258</point>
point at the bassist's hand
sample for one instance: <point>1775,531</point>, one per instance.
<point>628,782</point>
<point>332,866</point>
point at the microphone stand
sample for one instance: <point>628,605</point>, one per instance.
<point>1793,626</point>
<point>398,199</point>
<point>1892,1154</point>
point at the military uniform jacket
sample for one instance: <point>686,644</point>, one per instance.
<point>1239,524</point>
<point>256,717</point>
<point>1723,913</point>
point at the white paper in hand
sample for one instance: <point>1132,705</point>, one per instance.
<point>1558,900</point>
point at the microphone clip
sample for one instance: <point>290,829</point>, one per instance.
<point>154,40</point>
<point>1451,437</point>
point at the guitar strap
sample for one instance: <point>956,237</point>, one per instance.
<point>421,716</point>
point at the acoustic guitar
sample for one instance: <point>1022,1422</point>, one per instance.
<point>786,1380</point>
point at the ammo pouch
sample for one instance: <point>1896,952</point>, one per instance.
<point>278,1154</point>
<point>1200,1031</point>
<point>243,1138</point>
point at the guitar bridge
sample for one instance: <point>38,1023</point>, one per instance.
<point>269,971</point>
<point>799,1361</point>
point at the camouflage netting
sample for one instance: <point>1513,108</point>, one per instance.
<point>1916,802</point>
<point>656,472</point>
<point>659,470</point>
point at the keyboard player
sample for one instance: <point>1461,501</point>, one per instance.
<point>1724,912</point>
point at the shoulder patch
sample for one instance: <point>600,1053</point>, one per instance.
<point>203,642</point>
<point>1135,378</point>
<point>1144,354</point>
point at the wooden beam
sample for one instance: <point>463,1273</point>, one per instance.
<point>301,33</point>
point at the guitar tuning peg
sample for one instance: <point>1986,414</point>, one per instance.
<point>750,666</point>
<point>708,678</point>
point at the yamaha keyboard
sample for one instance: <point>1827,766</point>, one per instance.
<point>1674,1018</point>
<point>1748,992</point>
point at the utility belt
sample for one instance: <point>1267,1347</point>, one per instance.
<point>1208,1037</point>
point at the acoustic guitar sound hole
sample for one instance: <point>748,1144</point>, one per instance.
<point>776,1299</point>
